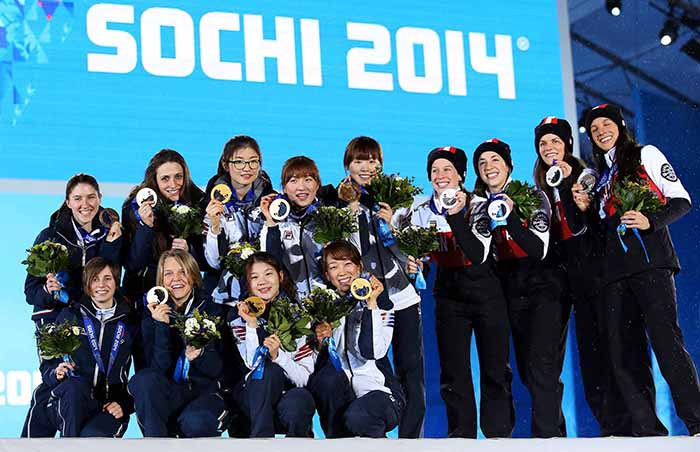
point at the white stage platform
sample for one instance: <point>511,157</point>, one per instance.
<point>671,444</point>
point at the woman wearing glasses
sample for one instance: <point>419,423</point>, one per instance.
<point>239,218</point>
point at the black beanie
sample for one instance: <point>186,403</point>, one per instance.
<point>610,111</point>
<point>456,156</point>
<point>557,126</point>
<point>493,145</point>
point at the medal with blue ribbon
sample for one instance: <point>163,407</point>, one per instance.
<point>259,362</point>
<point>333,353</point>
<point>498,211</point>
<point>95,346</point>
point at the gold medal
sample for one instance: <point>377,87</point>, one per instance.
<point>221,193</point>
<point>361,289</point>
<point>256,306</point>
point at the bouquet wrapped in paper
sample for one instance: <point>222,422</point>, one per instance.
<point>56,341</point>
<point>50,257</point>
<point>237,255</point>
<point>525,198</point>
<point>333,223</point>
<point>199,329</point>
<point>184,221</point>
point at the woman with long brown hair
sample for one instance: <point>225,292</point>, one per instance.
<point>147,233</point>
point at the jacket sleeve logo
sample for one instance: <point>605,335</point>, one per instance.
<point>668,173</point>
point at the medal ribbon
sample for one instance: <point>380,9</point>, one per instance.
<point>333,353</point>
<point>61,295</point>
<point>621,230</point>
<point>259,362</point>
<point>95,347</point>
<point>182,369</point>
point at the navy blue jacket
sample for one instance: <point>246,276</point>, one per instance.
<point>164,346</point>
<point>111,388</point>
<point>61,230</point>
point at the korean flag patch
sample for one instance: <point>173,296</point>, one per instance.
<point>540,222</point>
<point>668,173</point>
<point>288,235</point>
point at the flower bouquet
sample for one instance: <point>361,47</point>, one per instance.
<point>630,195</point>
<point>333,223</point>
<point>288,323</point>
<point>525,198</point>
<point>397,192</point>
<point>199,329</point>
<point>58,341</point>
<point>184,221</point>
<point>237,255</point>
<point>50,257</point>
<point>418,242</point>
<point>327,306</point>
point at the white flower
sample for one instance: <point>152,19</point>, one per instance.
<point>209,325</point>
<point>246,253</point>
<point>76,330</point>
<point>182,210</point>
<point>191,326</point>
<point>332,294</point>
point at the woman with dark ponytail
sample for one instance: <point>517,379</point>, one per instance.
<point>147,233</point>
<point>639,289</point>
<point>574,250</point>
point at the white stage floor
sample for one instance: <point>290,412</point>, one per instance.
<point>670,444</point>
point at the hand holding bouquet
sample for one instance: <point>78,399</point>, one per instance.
<point>637,197</point>
<point>633,196</point>
<point>333,224</point>
<point>58,341</point>
<point>288,323</point>
<point>418,242</point>
<point>50,259</point>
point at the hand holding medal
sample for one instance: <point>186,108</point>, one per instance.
<point>499,208</point>
<point>146,200</point>
<point>275,208</point>
<point>156,299</point>
<point>109,218</point>
<point>220,195</point>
